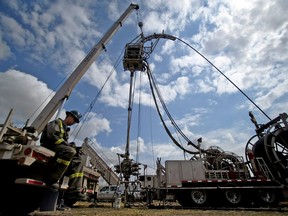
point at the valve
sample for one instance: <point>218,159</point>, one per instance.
<point>135,168</point>
<point>117,168</point>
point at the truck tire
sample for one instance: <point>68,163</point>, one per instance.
<point>233,196</point>
<point>199,197</point>
<point>268,197</point>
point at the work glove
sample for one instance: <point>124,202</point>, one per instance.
<point>77,148</point>
<point>73,144</point>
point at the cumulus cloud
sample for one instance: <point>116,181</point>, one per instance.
<point>23,93</point>
<point>94,125</point>
<point>17,34</point>
<point>250,49</point>
<point>5,51</point>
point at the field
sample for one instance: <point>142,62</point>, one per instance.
<point>105,209</point>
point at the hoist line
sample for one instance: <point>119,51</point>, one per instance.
<point>139,119</point>
<point>90,107</point>
<point>179,141</point>
<point>166,110</point>
<point>161,118</point>
<point>164,107</point>
<point>168,113</point>
<point>153,85</point>
<point>151,131</point>
<point>225,77</point>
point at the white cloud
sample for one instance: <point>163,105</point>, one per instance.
<point>17,34</point>
<point>187,61</point>
<point>268,98</point>
<point>179,87</point>
<point>167,151</point>
<point>169,16</point>
<point>24,93</point>
<point>157,58</point>
<point>49,26</point>
<point>5,51</point>
<point>246,40</point>
<point>94,125</point>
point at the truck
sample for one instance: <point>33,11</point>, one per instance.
<point>212,176</point>
<point>221,178</point>
<point>22,161</point>
<point>111,192</point>
<point>90,183</point>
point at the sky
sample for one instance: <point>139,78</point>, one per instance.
<point>42,42</point>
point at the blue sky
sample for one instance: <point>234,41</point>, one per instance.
<point>41,42</point>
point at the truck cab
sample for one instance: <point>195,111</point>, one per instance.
<point>109,193</point>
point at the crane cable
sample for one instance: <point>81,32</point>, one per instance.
<point>90,107</point>
<point>139,119</point>
<point>152,87</point>
<point>153,83</point>
<point>225,77</point>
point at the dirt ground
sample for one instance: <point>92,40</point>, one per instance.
<point>106,209</point>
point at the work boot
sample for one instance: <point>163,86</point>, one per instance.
<point>62,207</point>
<point>52,184</point>
<point>76,195</point>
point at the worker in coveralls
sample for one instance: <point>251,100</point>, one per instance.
<point>66,160</point>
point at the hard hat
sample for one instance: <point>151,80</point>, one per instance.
<point>76,115</point>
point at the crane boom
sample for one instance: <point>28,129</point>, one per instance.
<point>66,89</point>
<point>106,172</point>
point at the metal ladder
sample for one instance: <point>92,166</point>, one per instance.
<point>263,167</point>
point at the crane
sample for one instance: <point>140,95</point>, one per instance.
<point>23,162</point>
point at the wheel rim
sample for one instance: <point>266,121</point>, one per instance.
<point>267,196</point>
<point>233,196</point>
<point>199,196</point>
